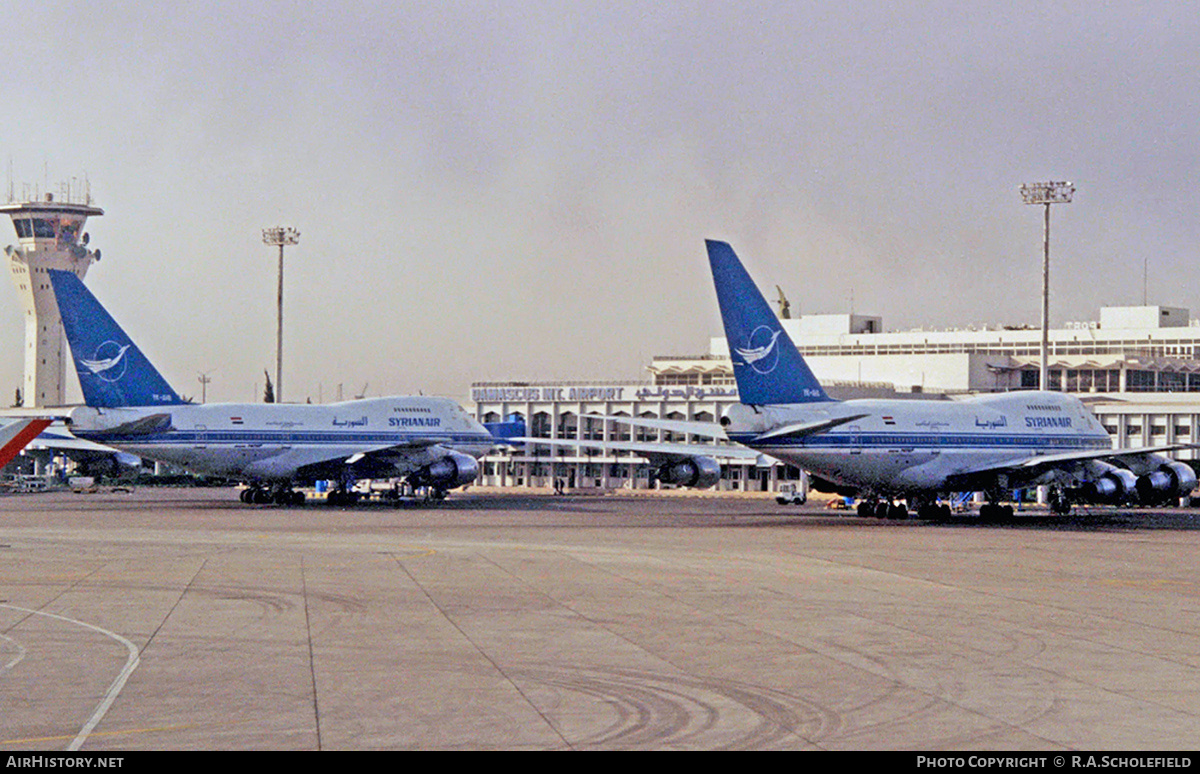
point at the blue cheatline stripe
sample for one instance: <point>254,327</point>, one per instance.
<point>259,437</point>
<point>923,440</point>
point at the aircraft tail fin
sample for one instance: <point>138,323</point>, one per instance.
<point>768,367</point>
<point>113,372</point>
<point>15,436</point>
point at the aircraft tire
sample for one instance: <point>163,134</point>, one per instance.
<point>990,513</point>
<point>931,512</point>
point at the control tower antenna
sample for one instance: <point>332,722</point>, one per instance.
<point>49,236</point>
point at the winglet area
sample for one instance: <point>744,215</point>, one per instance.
<point>768,367</point>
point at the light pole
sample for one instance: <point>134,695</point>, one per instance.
<point>1046,194</point>
<point>280,236</point>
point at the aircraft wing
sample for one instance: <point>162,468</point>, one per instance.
<point>68,443</point>
<point>379,461</point>
<point>712,430</point>
<point>1031,466</point>
<point>79,449</point>
<point>650,449</point>
<point>684,464</point>
<point>706,429</point>
<point>1117,454</point>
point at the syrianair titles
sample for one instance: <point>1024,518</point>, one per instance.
<point>429,442</point>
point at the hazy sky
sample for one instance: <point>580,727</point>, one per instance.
<point>521,190</point>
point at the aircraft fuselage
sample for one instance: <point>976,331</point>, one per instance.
<point>269,442</point>
<point>904,446</point>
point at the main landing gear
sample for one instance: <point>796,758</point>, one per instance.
<point>994,513</point>
<point>884,509</point>
<point>934,512</point>
<point>257,495</point>
<point>342,496</point>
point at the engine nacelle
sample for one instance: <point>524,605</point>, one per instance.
<point>1171,481</point>
<point>449,472</point>
<point>699,472</point>
<point>1115,485</point>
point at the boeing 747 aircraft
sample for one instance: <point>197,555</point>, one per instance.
<point>430,442</point>
<point>883,450</point>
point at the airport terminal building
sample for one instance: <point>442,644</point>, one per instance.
<point>1136,367</point>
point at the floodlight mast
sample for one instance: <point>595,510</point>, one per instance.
<point>1046,194</point>
<point>280,236</point>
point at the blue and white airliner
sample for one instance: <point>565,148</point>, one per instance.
<point>430,442</point>
<point>919,450</point>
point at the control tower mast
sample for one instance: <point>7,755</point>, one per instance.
<point>49,236</point>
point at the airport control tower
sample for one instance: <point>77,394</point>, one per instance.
<point>49,236</point>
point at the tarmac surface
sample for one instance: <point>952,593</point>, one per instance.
<point>182,619</point>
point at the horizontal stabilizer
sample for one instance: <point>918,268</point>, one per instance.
<point>154,423</point>
<point>806,428</point>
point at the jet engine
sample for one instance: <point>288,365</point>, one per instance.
<point>449,472</point>
<point>1114,485</point>
<point>699,472</point>
<point>1171,481</point>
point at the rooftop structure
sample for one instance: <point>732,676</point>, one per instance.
<point>1131,349</point>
